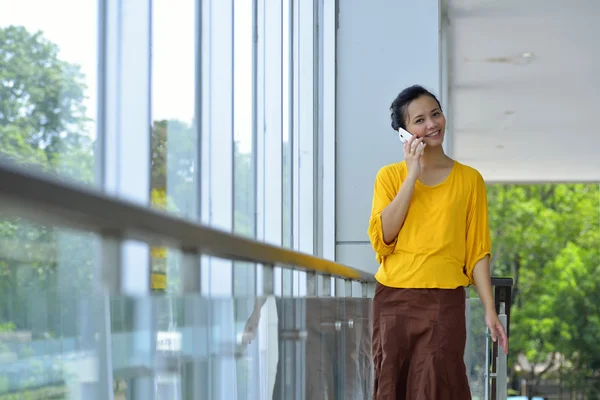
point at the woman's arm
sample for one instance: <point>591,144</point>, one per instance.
<point>252,323</point>
<point>393,216</point>
<point>483,283</point>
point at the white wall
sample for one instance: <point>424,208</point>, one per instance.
<point>383,46</point>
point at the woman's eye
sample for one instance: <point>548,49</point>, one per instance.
<point>419,121</point>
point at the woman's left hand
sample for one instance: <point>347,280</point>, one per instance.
<point>497,330</point>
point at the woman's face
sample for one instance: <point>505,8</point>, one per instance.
<point>425,119</point>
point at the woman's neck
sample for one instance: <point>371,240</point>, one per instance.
<point>433,157</point>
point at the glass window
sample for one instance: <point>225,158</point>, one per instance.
<point>243,120</point>
<point>287,125</point>
<point>48,86</point>
<point>244,189</point>
<point>305,135</point>
<point>174,138</point>
<point>46,311</point>
<point>48,74</point>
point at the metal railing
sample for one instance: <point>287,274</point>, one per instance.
<point>50,200</point>
<point>53,201</point>
<point>499,360</point>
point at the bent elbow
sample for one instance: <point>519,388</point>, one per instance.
<point>382,245</point>
<point>388,239</point>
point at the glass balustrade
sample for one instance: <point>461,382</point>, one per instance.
<point>260,332</point>
<point>193,347</point>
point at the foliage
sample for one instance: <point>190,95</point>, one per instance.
<point>47,393</point>
<point>547,237</point>
<point>42,126</point>
<point>42,114</point>
<point>173,169</point>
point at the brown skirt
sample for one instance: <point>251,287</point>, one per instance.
<point>419,340</point>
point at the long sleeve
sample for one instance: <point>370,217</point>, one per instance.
<point>384,191</point>
<point>478,238</point>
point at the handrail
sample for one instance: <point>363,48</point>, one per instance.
<point>503,303</point>
<point>50,200</point>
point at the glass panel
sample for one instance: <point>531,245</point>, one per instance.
<point>243,120</point>
<point>288,348</point>
<point>205,353</point>
<point>324,349</point>
<point>270,121</point>
<point>287,118</point>
<point>174,142</point>
<point>244,195</point>
<point>48,68</point>
<point>48,334</point>
<point>131,344</point>
<point>476,348</point>
<point>179,347</point>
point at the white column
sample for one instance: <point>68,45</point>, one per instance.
<point>270,121</point>
<point>124,160</point>
<point>383,46</point>
<point>330,10</point>
<point>217,186</point>
<point>270,127</point>
<point>269,177</point>
<point>305,133</point>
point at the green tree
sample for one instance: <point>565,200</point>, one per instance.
<point>244,200</point>
<point>172,182</point>
<point>43,126</point>
<point>174,178</point>
<point>547,238</point>
<point>42,114</point>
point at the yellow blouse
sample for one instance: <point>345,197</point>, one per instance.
<point>444,235</point>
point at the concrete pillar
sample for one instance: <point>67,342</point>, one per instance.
<point>382,46</point>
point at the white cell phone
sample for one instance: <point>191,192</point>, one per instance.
<point>405,136</point>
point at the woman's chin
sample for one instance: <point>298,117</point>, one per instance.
<point>434,141</point>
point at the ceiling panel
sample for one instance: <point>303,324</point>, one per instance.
<point>525,88</point>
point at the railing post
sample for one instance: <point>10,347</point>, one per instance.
<point>343,287</point>
<point>190,272</point>
<point>325,287</point>
<point>268,280</point>
<point>501,363</point>
<point>468,343</point>
<point>311,284</point>
<point>50,201</point>
<point>498,370</point>
<point>488,369</point>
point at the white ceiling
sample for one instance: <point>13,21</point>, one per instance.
<point>521,117</point>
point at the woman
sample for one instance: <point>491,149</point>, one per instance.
<point>429,228</point>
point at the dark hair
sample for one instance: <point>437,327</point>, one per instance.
<point>400,104</point>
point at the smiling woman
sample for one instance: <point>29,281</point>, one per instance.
<point>429,228</point>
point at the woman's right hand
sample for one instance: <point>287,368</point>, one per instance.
<point>412,155</point>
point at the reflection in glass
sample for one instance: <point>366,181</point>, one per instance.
<point>46,315</point>
<point>323,348</point>
<point>174,142</point>
<point>475,347</point>
<point>243,121</point>
<point>244,190</point>
<point>311,348</point>
<point>47,123</point>
<point>173,170</point>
